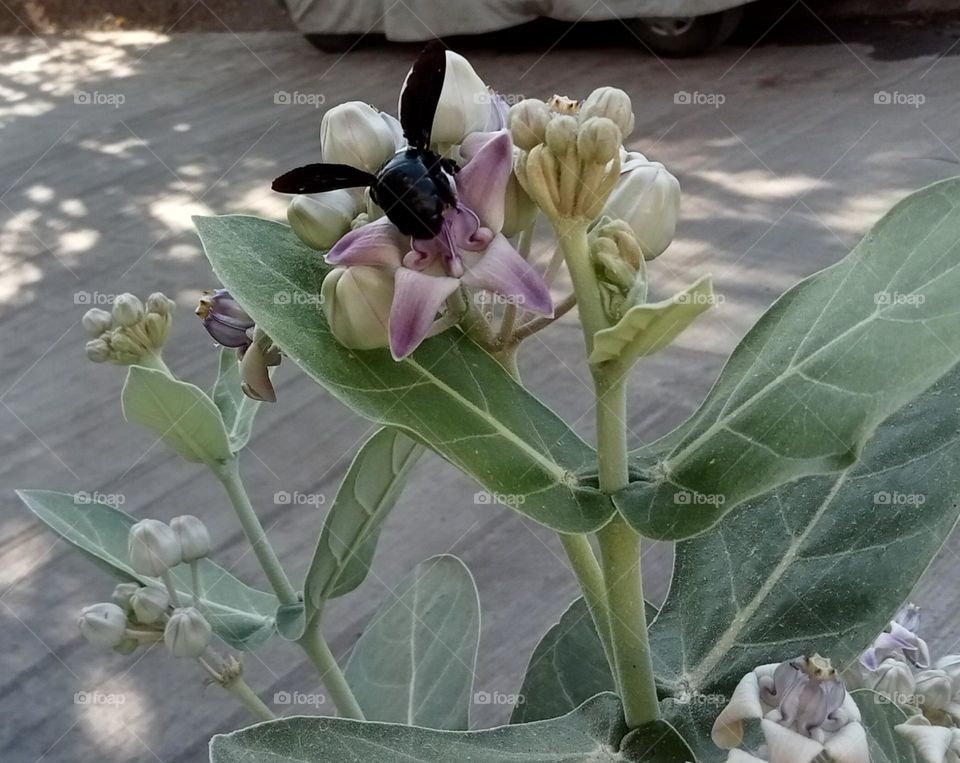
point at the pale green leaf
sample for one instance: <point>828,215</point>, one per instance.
<point>593,733</point>
<point>237,409</point>
<point>242,616</point>
<point>414,663</point>
<point>818,565</point>
<point>367,494</point>
<point>804,391</point>
<point>449,394</point>
<point>646,329</point>
<point>181,414</point>
<point>879,718</point>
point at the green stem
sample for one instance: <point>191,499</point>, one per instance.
<point>229,475</point>
<point>249,699</point>
<point>576,252</point>
<point>315,646</point>
<point>585,566</point>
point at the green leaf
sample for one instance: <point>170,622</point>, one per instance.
<point>237,409</point>
<point>242,616</point>
<point>181,414</point>
<point>820,564</point>
<point>414,663</point>
<point>349,537</point>
<point>291,620</point>
<point>592,733</point>
<point>880,715</point>
<point>449,394</point>
<point>804,391</point>
<point>646,329</point>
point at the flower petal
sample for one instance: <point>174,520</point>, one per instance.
<point>482,182</point>
<point>501,269</point>
<point>786,746</point>
<point>849,745</point>
<point>376,243</point>
<point>416,300</point>
<point>744,705</point>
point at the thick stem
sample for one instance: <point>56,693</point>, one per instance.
<point>229,475</point>
<point>620,550</point>
<point>585,566</point>
<point>315,646</point>
<point>611,413</point>
<point>248,698</point>
<point>576,253</point>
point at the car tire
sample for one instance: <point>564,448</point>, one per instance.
<point>682,36</point>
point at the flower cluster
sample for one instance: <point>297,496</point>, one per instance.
<point>803,711</point>
<point>147,613</point>
<point>132,332</point>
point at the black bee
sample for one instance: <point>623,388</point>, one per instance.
<point>413,186</point>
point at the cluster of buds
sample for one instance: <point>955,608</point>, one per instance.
<point>132,332</point>
<point>619,263</point>
<point>803,711</point>
<point>570,152</point>
<point>140,614</point>
<point>230,326</point>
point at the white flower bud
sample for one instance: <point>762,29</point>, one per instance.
<point>894,678</point>
<point>933,690</point>
<point>150,603</point>
<point>599,140</point>
<point>561,136</point>
<point>612,103</point>
<point>320,219</point>
<point>193,536</point>
<point>98,351</point>
<point>187,633</point>
<point>153,547</point>
<point>355,133</point>
<point>528,123</point>
<point>951,666</point>
<point>122,595</point>
<point>161,304</point>
<point>465,103</point>
<point>96,322</point>
<point>103,624</point>
<point>647,197</point>
<point>127,310</point>
<point>356,301</point>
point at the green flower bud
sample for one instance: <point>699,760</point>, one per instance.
<point>96,322</point>
<point>127,310</point>
<point>150,603</point>
<point>598,141</point>
<point>103,624</point>
<point>160,304</point>
<point>320,219</point>
<point>356,301</point>
<point>561,135</point>
<point>527,121</point>
<point>122,595</point>
<point>612,103</point>
<point>193,536</point>
<point>98,350</point>
<point>187,633</point>
<point>152,547</point>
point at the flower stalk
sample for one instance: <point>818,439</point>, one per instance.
<point>316,648</point>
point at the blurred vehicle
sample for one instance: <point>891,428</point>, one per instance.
<point>667,27</point>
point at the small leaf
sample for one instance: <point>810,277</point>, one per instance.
<point>237,409</point>
<point>181,414</point>
<point>449,394</point>
<point>414,663</point>
<point>880,716</point>
<point>833,358</point>
<point>242,616</point>
<point>291,620</point>
<point>646,329</point>
<point>367,494</point>
<point>590,734</point>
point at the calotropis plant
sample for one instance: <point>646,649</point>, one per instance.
<point>406,274</point>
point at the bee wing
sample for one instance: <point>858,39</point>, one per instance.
<point>421,94</point>
<point>315,178</point>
